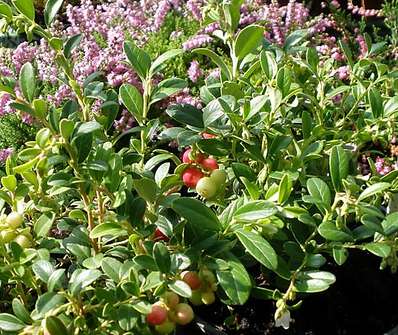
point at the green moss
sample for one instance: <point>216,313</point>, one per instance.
<point>13,132</point>
<point>175,31</point>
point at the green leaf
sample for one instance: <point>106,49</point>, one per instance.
<point>9,182</point>
<point>320,192</point>
<point>54,326</point>
<point>5,11</point>
<point>338,165</point>
<point>56,280</point>
<point>248,39</point>
<point>378,249</point>
<point>83,278</point>
<point>186,114</point>
<point>43,269</point>
<point>159,62</point>
<point>340,255</point>
<point>295,38</point>
<point>162,257</point>
<point>376,102</point>
<point>234,280</point>
<point>255,210</point>
<point>373,190</point>
<point>44,223</point>
<point>51,10</point>
<point>329,231</point>
<point>49,301</point>
<point>71,44</point>
<point>146,188</point>
<point>167,88</point>
<point>86,128</point>
<point>25,7</point>
<point>314,281</point>
<point>284,189</point>
<point>111,268</point>
<point>268,64</point>
<point>216,59</point>
<point>390,223</point>
<point>112,229</point>
<point>127,317</point>
<point>20,311</point>
<point>181,288</point>
<point>132,99</point>
<point>27,81</point>
<point>196,213</point>
<point>10,323</point>
<point>258,247</point>
<point>138,58</point>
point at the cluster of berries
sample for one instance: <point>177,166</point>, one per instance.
<point>203,285</point>
<point>203,174</point>
<point>11,230</point>
<point>168,312</point>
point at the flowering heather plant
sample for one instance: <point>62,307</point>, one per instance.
<point>137,201</point>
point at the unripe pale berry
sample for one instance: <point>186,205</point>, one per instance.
<point>219,177</point>
<point>209,164</point>
<point>8,235</point>
<point>157,316</point>
<point>208,297</point>
<point>23,241</point>
<point>206,187</point>
<point>196,298</point>
<point>184,314</point>
<point>191,177</point>
<point>208,276</point>
<point>192,279</point>
<point>14,220</point>
<point>166,327</point>
<point>171,299</point>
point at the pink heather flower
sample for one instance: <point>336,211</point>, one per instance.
<point>216,73</point>
<point>27,118</point>
<point>125,122</point>
<point>161,13</point>
<point>63,93</point>
<point>197,41</point>
<point>194,6</point>
<point>5,100</point>
<point>211,28</point>
<point>337,98</point>
<point>5,71</point>
<point>185,98</point>
<point>24,53</point>
<point>335,4</point>
<point>194,71</point>
<point>5,153</point>
<point>363,48</point>
<point>343,72</point>
<point>382,167</point>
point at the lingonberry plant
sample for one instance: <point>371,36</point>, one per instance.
<point>119,233</point>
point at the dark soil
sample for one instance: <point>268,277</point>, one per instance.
<point>363,301</point>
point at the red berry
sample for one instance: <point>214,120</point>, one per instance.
<point>192,279</point>
<point>184,314</point>
<point>157,316</point>
<point>209,164</point>
<point>207,136</point>
<point>191,176</point>
<point>185,156</point>
<point>160,236</point>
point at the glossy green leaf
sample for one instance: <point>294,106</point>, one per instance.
<point>10,323</point>
<point>27,80</point>
<point>234,280</point>
<point>373,190</point>
<point>338,166</point>
<point>138,58</point>
<point>313,281</point>
<point>255,210</point>
<point>258,247</point>
<point>132,99</point>
<point>51,10</point>
<point>247,40</point>
<point>25,7</point>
